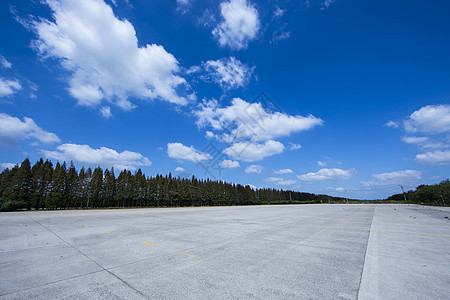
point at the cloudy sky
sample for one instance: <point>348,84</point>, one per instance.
<point>326,96</point>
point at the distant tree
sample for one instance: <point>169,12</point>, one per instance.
<point>96,188</point>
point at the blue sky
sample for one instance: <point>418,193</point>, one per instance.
<point>338,97</point>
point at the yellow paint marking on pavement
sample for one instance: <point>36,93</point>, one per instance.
<point>106,232</point>
<point>437,235</point>
<point>148,244</point>
<point>81,225</point>
<point>328,227</point>
<point>187,254</point>
<point>377,230</point>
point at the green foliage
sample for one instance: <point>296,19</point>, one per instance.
<point>11,205</point>
<point>437,194</point>
<point>46,187</point>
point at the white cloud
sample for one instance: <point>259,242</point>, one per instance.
<point>106,112</point>
<point>228,73</point>
<point>293,146</point>
<point>278,12</point>
<point>240,24</point>
<point>7,165</point>
<point>4,63</point>
<point>229,164</point>
<point>391,124</point>
<point>8,87</point>
<point>429,119</point>
<point>279,181</point>
<point>183,6</point>
<point>327,174</point>
<point>414,139</point>
<point>280,35</point>
<point>209,134</point>
<point>340,189</point>
<point>251,121</point>
<point>327,3</point>
<point>393,178</point>
<point>179,169</point>
<point>102,54</point>
<point>13,130</point>
<point>321,163</point>
<point>249,152</point>
<point>434,158</point>
<point>250,129</point>
<point>254,169</point>
<point>103,156</point>
<point>283,171</point>
<point>182,152</point>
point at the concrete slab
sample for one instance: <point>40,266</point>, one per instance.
<point>260,252</point>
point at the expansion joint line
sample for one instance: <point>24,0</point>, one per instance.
<point>91,259</point>
<point>365,252</point>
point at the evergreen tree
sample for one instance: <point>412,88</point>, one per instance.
<point>96,188</point>
<point>71,199</point>
<point>59,186</point>
<point>37,186</point>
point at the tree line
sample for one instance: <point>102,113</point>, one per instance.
<point>436,194</point>
<point>48,186</point>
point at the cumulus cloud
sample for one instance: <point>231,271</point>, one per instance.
<point>254,169</point>
<point>4,63</point>
<point>393,178</point>
<point>106,112</point>
<point>182,152</point>
<point>102,156</point>
<point>321,163</point>
<point>9,87</point>
<point>13,130</point>
<point>250,152</point>
<point>283,171</point>
<point>434,158</point>
<point>391,124</point>
<point>327,174</point>
<point>433,123</point>
<point>101,53</point>
<point>243,120</point>
<point>250,129</point>
<point>279,181</point>
<point>429,119</point>
<point>179,169</point>
<point>229,164</point>
<point>239,26</point>
<point>228,73</point>
<point>293,146</point>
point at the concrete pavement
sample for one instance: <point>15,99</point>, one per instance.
<point>254,252</point>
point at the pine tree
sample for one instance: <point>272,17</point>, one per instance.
<point>22,183</point>
<point>37,186</point>
<point>109,185</point>
<point>59,186</point>
<point>71,198</point>
<point>96,187</point>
